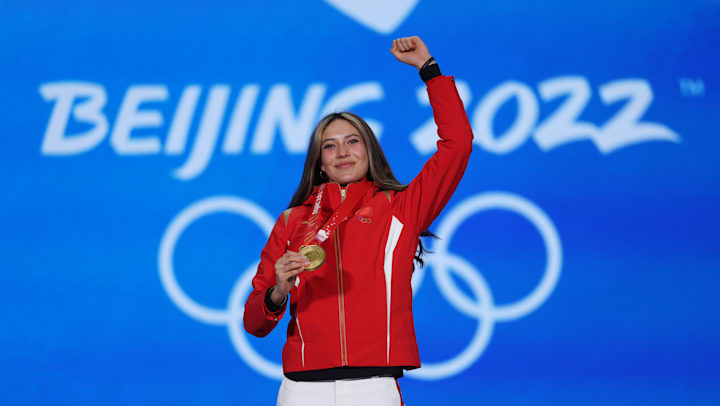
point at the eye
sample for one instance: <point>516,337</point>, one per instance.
<point>328,146</point>
<point>353,140</point>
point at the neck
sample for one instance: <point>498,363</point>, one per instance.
<point>346,184</point>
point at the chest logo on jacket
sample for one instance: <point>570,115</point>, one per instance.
<point>364,215</point>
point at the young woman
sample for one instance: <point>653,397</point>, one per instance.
<point>344,253</point>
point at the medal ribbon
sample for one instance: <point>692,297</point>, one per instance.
<point>311,222</point>
<point>312,235</point>
<point>342,212</point>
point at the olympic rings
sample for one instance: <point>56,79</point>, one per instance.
<point>442,263</point>
<point>484,310</point>
<point>217,204</point>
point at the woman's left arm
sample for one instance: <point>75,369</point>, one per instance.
<point>431,189</point>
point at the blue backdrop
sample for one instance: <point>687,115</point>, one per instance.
<point>146,146</point>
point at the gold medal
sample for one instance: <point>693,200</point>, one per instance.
<point>315,254</point>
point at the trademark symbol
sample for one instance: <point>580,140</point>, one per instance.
<point>690,87</point>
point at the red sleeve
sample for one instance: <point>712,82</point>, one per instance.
<point>258,319</point>
<point>428,193</point>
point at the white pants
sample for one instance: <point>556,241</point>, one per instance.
<point>348,392</point>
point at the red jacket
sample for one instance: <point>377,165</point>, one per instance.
<point>356,309</point>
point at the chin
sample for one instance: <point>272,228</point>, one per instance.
<point>345,180</point>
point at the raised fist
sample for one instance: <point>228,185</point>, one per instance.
<point>410,50</point>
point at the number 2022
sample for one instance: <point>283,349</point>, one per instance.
<point>562,125</point>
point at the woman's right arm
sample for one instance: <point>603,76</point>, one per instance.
<point>275,277</point>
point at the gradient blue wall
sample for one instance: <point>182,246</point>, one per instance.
<point>145,145</point>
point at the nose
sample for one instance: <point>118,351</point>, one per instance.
<point>342,150</point>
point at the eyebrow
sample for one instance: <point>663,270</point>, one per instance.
<point>345,137</point>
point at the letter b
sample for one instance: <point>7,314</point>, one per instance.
<point>55,141</point>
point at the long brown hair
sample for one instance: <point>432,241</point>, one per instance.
<point>379,170</point>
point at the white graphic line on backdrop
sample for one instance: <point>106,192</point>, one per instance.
<point>378,15</point>
<point>441,262</point>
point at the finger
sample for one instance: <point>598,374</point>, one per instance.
<point>289,277</point>
<point>289,256</point>
<point>280,263</point>
<point>295,261</point>
<point>401,45</point>
<point>408,44</point>
<point>295,258</point>
<point>293,265</point>
<point>293,254</point>
<point>395,50</point>
<point>289,273</point>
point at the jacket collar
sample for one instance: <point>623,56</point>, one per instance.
<point>334,193</point>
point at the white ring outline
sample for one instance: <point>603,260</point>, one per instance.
<point>211,205</point>
<point>484,310</point>
<point>528,210</point>
<point>482,335</point>
<point>233,314</point>
<point>242,346</point>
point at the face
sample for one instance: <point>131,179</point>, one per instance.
<point>343,153</point>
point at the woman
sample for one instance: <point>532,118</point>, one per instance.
<point>351,333</point>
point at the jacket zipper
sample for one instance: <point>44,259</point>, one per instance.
<point>341,299</point>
